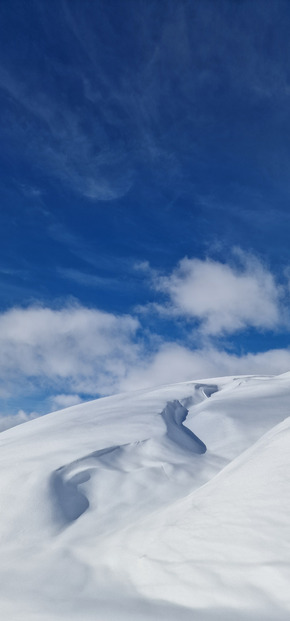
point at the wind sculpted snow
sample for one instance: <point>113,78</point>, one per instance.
<point>160,504</point>
<point>125,468</point>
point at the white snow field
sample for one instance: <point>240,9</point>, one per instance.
<point>166,504</point>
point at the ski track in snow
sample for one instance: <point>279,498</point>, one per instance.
<point>164,504</point>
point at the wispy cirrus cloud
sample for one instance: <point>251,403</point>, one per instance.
<point>59,142</point>
<point>94,98</point>
<point>88,279</point>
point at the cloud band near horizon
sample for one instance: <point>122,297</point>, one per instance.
<point>74,352</point>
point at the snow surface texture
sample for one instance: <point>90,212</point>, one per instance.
<point>166,504</point>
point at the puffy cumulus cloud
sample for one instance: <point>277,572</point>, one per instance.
<point>62,356</point>
<point>59,402</point>
<point>74,349</point>
<point>175,363</point>
<point>221,297</point>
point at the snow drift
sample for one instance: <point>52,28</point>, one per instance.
<point>170,503</point>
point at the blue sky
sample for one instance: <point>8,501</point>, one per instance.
<point>144,195</point>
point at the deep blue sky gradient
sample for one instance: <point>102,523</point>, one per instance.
<point>140,130</point>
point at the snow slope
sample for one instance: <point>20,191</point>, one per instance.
<point>170,503</point>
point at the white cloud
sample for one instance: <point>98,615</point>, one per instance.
<point>75,348</point>
<point>223,298</point>
<point>61,356</point>
<point>7,421</point>
<point>65,401</point>
<point>174,363</point>
<point>170,364</point>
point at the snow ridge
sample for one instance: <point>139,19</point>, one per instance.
<point>161,504</point>
<point>174,415</point>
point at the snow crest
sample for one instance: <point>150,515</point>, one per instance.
<point>161,504</point>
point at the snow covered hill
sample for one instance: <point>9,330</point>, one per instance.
<point>170,503</point>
